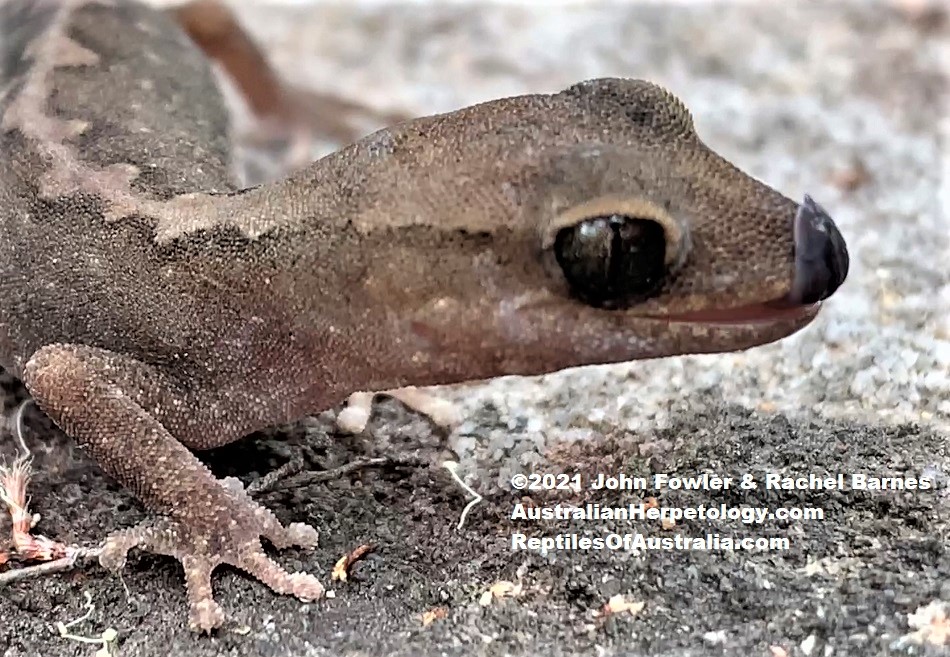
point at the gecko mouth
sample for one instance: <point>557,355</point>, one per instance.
<point>756,313</point>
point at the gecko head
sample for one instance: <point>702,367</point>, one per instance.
<point>665,244</point>
<point>594,226</point>
<point>652,222</point>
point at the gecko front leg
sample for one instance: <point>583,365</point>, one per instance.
<point>127,414</point>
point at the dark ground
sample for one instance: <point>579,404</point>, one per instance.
<point>883,555</point>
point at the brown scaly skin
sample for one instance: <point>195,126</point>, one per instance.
<point>151,307</point>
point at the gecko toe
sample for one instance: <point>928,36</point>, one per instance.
<point>301,585</point>
<point>149,535</point>
<point>204,613</point>
<point>115,553</point>
<point>295,534</point>
<point>301,534</point>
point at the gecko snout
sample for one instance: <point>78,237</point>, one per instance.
<point>821,256</point>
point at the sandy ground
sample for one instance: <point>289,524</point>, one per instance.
<point>845,101</point>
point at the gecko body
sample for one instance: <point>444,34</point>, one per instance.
<point>153,307</point>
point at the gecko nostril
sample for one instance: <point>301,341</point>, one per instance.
<point>821,255</point>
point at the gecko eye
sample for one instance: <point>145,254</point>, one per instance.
<point>612,261</point>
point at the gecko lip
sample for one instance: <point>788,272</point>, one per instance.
<point>755,313</point>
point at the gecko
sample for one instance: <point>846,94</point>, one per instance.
<point>153,307</point>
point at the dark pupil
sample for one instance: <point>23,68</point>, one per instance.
<point>612,261</point>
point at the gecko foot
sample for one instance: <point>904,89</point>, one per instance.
<point>232,538</point>
<point>354,418</point>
